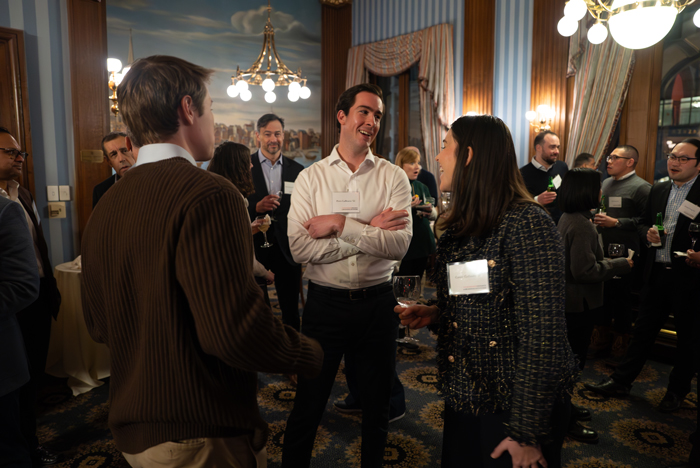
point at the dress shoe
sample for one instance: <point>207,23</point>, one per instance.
<point>343,407</point>
<point>670,402</point>
<point>580,414</point>
<point>396,417</point>
<point>609,388</point>
<point>582,433</point>
<point>44,456</point>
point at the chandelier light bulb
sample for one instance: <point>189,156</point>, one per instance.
<point>118,77</point>
<point>246,95</point>
<point>114,65</point>
<point>304,92</point>
<point>268,85</point>
<point>567,26</point>
<point>696,19</point>
<point>242,86</point>
<point>294,97</point>
<point>597,34</point>
<point>270,97</point>
<point>294,87</point>
<point>232,91</point>
<point>530,115</point>
<point>575,9</point>
<point>643,26</point>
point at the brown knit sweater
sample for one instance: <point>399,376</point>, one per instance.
<point>168,286</point>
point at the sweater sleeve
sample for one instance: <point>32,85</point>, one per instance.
<point>581,241</point>
<point>214,261</point>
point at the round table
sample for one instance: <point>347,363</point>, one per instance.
<point>72,352</point>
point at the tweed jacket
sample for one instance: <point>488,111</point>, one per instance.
<point>586,267</point>
<point>507,349</point>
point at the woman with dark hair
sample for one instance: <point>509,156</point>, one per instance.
<point>232,161</point>
<point>506,369</point>
<point>585,269</point>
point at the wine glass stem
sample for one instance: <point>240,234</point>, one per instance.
<point>693,243</point>
<point>265,235</point>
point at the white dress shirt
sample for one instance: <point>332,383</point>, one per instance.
<point>160,151</point>
<point>362,255</point>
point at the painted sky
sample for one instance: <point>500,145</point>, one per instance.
<point>221,34</point>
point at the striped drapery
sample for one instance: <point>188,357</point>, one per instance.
<point>603,74</point>
<point>432,49</point>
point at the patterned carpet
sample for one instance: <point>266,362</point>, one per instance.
<point>632,433</point>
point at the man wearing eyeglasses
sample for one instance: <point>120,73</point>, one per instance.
<point>34,320</point>
<point>670,284</point>
<point>120,158</point>
<point>626,197</point>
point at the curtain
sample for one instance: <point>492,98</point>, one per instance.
<point>432,49</point>
<point>603,74</point>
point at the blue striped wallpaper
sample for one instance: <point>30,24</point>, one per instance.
<point>513,69</point>
<point>374,20</point>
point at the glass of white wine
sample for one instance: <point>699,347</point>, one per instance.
<point>263,227</point>
<point>407,292</point>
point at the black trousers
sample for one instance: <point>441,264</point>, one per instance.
<point>468,440</point>
<point>287,280</point>
<point>35,324</point>
<point>617,300</point>
<point>14,451</point>
<point>579,328</point>
<point>666,291</point>
<point>365,329</point>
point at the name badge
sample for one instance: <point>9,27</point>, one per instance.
<point>464,278</point>
<point>691,210</point>
<point>615,202</point>
<point>288,188</point>
<point>346,202</point>
<point>557,181</point>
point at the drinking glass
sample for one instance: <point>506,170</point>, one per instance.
<point>279,194</point>
<point>445,202</point>
<point>263,227</point>
<point>694,231</point>
<point>616,251</point>
<point>407,292</point>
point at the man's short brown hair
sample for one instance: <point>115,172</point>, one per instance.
<point>109,137</point>
<point>347,99</point>
<point>151,92</point>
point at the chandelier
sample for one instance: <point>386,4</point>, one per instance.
<point>633,24</point>
<point>114,66</point>
<point>259,74</point>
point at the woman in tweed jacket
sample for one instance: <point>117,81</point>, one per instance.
<point>505,366</point>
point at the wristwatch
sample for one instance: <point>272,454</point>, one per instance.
<point>618,224</point>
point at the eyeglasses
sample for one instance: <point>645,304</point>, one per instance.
<point>680,159</point>
<point>13,153</point>
<point>614,157</point>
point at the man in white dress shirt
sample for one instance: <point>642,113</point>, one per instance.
<point>349,223</point>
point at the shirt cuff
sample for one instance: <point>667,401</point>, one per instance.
<point>352,232</point>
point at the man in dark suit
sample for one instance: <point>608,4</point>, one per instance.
<point>670,283</point>
<point>118,155</point>
<point>19,287</point>
<point>35,319</point>
<point>273,178</point>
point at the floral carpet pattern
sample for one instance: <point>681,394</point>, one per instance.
<point>632,433</point>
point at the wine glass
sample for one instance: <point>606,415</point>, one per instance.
<point>407,291</point>
<point>263,227</point>
<point>279,193</point>
<point>445,201</point>
<point>616,251</point>
<point>694,231</point>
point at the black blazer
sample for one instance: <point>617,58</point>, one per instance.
<point>278,230</point>
<point>101,188</point>
<point>658,197</point>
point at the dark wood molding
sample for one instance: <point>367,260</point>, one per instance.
<point>550,52</point>
<point>479,50</point>
<point>404,108</point>
<point>14,107</point>
<point>87,32</point>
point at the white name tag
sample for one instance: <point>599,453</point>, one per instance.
<point>346,202</point>
<point>468,277</point>
<point>691,210</point>
<point>557,181</point>
<point>288,188</point>
<point>615,202</point>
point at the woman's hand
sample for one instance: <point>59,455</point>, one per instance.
<point>523,456</point>
<point>415,201</point>
<point>254,226</point>
<point>269,277</point>
<point>631,262</point>
<point>417,316</point>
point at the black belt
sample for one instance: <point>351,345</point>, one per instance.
<point>352,294</point>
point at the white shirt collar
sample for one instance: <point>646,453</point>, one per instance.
<point>162,151</point>
<point>540,166</point>
<point>626,176</point>
<point>334,158</point>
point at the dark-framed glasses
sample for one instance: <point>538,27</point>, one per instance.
<point>614,157</point>
<point>680,159</point>
<point>13,153</point>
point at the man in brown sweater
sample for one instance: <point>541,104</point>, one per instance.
<point>168,286</point>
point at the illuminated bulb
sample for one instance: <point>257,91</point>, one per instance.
<point>567,26</point>
<point>114,65</point>
<point>242,86</point>
<point>118,77</point>
<point>294,87</point>
<point>232,91</point>
<point>304,92</point>
<point>597,34</point>
<point>246,94</point>
<point>270,97</point>
<point>696,19</point>
<point>268,85</point>
<point>575,9</point>
<point>642,26</point>
<point>530,115</point>
<point>126,70</point>
<point>294,97</point>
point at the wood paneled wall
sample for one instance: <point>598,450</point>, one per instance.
<point>336,40</point>
<point>87,30</point>
<point>549,59</point>
<point>479,43</point>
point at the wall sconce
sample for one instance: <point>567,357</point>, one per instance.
<point>115,78</point>
<point>541,118</point>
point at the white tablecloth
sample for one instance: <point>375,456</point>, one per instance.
<point>72,352</point>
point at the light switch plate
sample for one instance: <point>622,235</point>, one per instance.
<point>64,192</point>
<point>57,210</point>
<point>52,193</point>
